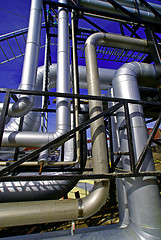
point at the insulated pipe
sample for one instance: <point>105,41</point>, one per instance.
<point>13,138</point>
<point>23,191</point>
<point>143,193</point>
<point>107,7</point>
<point>146,222</point>
<point>120,182</point>
<point>25,103</point>
<point>99,145</point>
<point>116,40</point>
<point>39,139</point>
<point>43,190</point>
<point>106,76</point>
<point>31,212</point>
<point>26,212</point>
<point>22,213</point>
<point>62,104</point>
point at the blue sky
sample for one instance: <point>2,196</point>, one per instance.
<point>14,15</point>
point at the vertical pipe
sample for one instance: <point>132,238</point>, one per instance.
<point>43,157</point>
<point>142,192</point>
<point>62,104</point>
<point>75,73</point>
<point>99,145</point>
<point>120,182</point>
<point>32,47</point>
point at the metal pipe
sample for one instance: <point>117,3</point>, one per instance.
<point>56,210</point>
<point>42,190</point>
<point>106,76</point>
<point>23,212</point>
<point>113,40</point>
<point>25,103</point>
<point>144,218</point>
<point>107,7</point>
<point>126,78</point>
<point>62,104</point>
<point>132,4</point>
<point>62,115</point>
<point>99,147</point>
<point>75,90</point>
<point>120,182</point>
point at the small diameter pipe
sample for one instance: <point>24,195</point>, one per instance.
<point>43,156</point>
<point>75,76</point>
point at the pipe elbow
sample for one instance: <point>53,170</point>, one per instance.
<point>21,107</point>
<point>95,39</point>
<point>136,71</point>
<point>94,201</point>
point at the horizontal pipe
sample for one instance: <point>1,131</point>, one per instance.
<point>118,41</point>
<point>105,6</point>
<point>22,213</point>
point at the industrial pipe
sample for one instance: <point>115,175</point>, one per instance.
<point>76,207</point>
<point>24,103</point>
<point>62,121</point>
<point>125,86</point>
<point>105,6</point>
<point>120,182</point>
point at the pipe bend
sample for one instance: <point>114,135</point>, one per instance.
<point>96,38</point>
<point>21,107</point>
<point>94,201</point>
<point>136,70</point>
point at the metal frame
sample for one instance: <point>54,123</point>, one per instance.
<point>60,140</point>
<point>83,13</point>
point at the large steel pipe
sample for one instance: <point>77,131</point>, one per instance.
<point>113,40</point>
<point>28,80</point>
<point>142,193</point>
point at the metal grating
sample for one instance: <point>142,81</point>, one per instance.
<point>114,54</point>
<point>12,46</point>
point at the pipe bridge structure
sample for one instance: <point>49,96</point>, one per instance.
<point>112,49</point>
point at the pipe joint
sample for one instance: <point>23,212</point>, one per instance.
<point>21,107</point>
<point>95,39</point>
